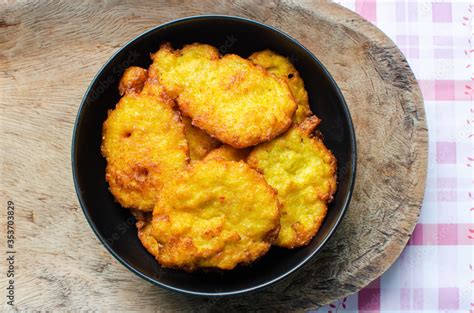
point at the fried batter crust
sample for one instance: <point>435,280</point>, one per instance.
<point>229,97</point>
<point>135,80</point>
<point>228,153</point>
<point>303,171</point>
<point>218,214</point>
<point>282,67</point>
<point>144,145</point>
<point>200,143</point>
<point>132,80</point>
<point>144,234</point>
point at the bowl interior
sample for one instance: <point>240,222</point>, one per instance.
<point>115,225</point>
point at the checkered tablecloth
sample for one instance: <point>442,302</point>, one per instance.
<point>435,272</point>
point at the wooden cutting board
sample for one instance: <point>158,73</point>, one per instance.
<point>50,52</point>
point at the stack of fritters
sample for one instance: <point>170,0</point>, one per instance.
<point>218,153</point>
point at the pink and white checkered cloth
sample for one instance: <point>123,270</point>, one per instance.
<point>435,272</point>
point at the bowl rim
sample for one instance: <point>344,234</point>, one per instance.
<point>260,286</point>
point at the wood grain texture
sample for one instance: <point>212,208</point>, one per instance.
<point>49,53</point>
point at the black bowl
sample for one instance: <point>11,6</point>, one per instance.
<point>115,226</point>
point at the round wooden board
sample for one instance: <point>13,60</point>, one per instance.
<point>48,55</point>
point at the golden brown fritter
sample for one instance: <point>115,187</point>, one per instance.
<point>200,143</point>
<point>132,80</point>
<point>153,88</point>
<point>218,214</point>
<point>229,97</point>
<point>135,80</point>
<point>144,145</point>
<point>303,171</point>
<point>282,67</point>
<point>227,153</point>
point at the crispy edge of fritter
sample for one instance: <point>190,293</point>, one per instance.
<point>309,125</point>
<point>228,153</point>
<point>292,77</point>
<point>133,80</point>
<point>309,128</point>
<point>304,236</point>
<point>144,228</point>
<point>199,142</point>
